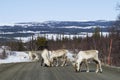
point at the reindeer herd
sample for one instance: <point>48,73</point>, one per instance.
<point>55,57</point>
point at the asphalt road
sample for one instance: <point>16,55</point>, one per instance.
<point>33,71</point>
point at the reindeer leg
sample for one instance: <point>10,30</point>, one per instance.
<point>97,65</point>
<point>57,62</point>
<point>42,61</point>
<point>78,66</point>
<point>64,62</point>
<point>81,66</point>
<point>99,62</point>
<point>87,67</point>
<point>97,68</point>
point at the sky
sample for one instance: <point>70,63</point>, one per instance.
<point>14,11</point>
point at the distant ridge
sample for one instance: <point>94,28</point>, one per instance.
<point>26,29</point>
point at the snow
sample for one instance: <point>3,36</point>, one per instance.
<point>16,57</point>
<point>6,32</point>
<point>78,27</point>
<point>7,24</point>
<point>70,56</point>
<point>50,36</point>
<point>57,36</point>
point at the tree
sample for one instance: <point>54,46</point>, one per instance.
<point>4,54</point>
<point>41,43</point>
<point>96,33</point>
<point>115,29</point>
<point>20,46</point>
<point>96,37</point>
<point>115,38</point>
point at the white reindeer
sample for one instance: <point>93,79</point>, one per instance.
<point>45,58</point>
<point>56,54</point>
<point>84,56</point>
<point>33,56</point>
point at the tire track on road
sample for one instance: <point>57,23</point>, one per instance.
<point>11,72</point>
<point>33,71</point>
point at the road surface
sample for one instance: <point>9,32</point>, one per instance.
<point>33,71</point>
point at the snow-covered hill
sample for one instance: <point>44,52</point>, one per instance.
<point>28,29</point>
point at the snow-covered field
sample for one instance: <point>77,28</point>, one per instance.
<point>16,57</point>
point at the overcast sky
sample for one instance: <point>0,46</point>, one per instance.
<point>13,11</point>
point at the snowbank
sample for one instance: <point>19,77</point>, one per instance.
<point>16,57</point>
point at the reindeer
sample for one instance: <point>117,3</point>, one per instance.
<point>56,54</point>
<point>45,58</point>
<point>33,56</point>
<point>84,56</point>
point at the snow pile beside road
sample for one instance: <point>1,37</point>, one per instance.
<point>16,57</point>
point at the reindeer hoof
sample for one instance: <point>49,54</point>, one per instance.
<point>87,71</point>
<point>96,71</point>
